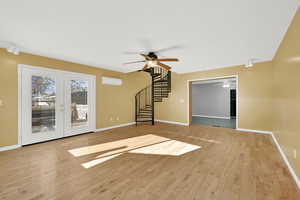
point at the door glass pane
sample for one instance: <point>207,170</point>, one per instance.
<point>79,102</point>
<point>43,104</point>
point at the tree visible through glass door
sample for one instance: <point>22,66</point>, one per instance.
<point>79,103</point>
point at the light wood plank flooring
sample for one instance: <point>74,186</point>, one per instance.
<point>167,162</point>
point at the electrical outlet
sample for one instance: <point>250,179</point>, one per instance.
<point>111,119</point>
<point>295,153</point>
<point>1,102</point>
<point>181,100</point>
<point>117,118</point>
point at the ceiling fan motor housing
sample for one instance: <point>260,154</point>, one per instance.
<point>152,55</point>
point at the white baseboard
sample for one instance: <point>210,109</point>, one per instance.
<point>116,126</point>
<point>6,148</point>
<point>254,131</point>
<point>292,171</point>
<point>208,116</point>
<point>171,122</point>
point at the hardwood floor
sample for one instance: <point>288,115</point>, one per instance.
<point>168,162</point>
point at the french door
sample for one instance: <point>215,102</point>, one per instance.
<point>55,104</point>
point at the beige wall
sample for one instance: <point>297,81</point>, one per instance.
<point>269,95</point>
<point>287,93</point>
<point>255,94</point>
<point>111,101</point>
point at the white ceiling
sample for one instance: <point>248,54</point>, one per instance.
<point>211,34</point>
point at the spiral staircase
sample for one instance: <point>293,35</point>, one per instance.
<point>156,92</point>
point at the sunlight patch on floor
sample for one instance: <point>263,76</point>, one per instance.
<point>146,144</point>
<point>99,161</point>
<point>170,148</point>
<point>128,144</point>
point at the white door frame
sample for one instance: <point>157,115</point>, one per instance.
<point>213,78</point>
<point>44,69</point>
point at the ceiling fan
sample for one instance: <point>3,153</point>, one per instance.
<point>152,60</point>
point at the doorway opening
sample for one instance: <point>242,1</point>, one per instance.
<point>213,102</point>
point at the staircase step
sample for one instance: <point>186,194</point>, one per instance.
<point>146,107</point>
<point>161,94</point>
<point>156,74</point>
<point>149,108</point>
<point>144,120</point>
<point>143,116</point>
<point>161,91</point>
<point>160,97</point>
<point>161,86</point>
<point>145,111</point>
<point>161,81</point>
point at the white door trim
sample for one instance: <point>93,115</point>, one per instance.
<point>213,78</point>
<point>19,105</point>
<point>44,69</point>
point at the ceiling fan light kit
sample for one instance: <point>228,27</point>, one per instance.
<point>152,60</point>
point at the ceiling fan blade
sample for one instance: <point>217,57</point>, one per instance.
<point>131,52</point>
<point>145,67</point>
<point>134,52</point>
<point>168,48</point>
<point>145,56</point>
<point>146,44</point>
<point>134,62</point>
<point>168,59</point>
<point>163,65</point>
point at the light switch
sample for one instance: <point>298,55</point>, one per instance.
<point>181,100</point>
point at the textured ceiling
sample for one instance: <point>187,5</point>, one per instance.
<point>210,34</point>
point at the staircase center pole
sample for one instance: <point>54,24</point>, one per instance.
<point>152,95</point>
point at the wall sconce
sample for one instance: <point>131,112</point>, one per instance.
<point>10,47</point>
<point>249,63</point>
